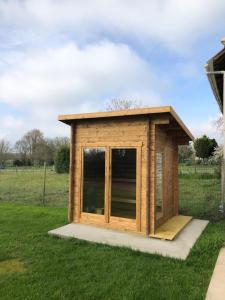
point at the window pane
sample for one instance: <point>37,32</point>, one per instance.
<point>159,184</point>
<point>123,192</point>
<point>94,180</point>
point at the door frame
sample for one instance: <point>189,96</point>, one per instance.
<point>107,220</point>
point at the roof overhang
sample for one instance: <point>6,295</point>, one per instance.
<point>68,119</point>
<point>216,64</point>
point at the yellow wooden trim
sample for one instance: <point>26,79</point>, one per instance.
<point>171,228</point>
<point>92,217</point>
<point>122,145</point>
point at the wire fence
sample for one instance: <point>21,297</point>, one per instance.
<point>200,191</point>
<point>34,185</point>
<point>199,188</point>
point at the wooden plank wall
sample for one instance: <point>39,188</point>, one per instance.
<point>167,145</point>
<point>176,180</point>
<point>133,129</point>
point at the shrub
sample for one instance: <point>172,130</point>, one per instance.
<point>18,163</point>
<point>204,147</point>
<point>62,159</point>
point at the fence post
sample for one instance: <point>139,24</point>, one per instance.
<point>43,195</point>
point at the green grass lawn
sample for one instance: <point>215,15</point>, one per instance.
<point>26,186</point>
<point>50,268</point>
<point>200,196</point>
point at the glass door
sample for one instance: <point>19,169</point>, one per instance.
<point>123,183</point>
<point>110,188</point>
<point>94,181</point>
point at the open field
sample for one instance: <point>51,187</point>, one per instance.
<point>200,197</point>
<point>25,185</point>
<point>199,188</point>
<point>44,267</point>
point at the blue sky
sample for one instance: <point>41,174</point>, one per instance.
<point>74,56</point>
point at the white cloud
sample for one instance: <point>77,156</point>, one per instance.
<point>70,79</point>
<point>173,23</point>
<point>208,127</point>
<point>44,70</point>
<point>9,125</point>
<point>68,76</point>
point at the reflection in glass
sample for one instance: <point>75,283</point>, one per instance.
<point>123,191</point>
<point>159,183</point>
<point>94,180</point>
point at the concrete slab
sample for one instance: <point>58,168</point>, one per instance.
<point>178,248</point>
<point>216,290</point>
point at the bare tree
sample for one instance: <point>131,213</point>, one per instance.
<point>34,148</point>
<point>32,139</point>
<point>61,141</point>
<point>4,150</point>
<point>219,124</point>
<point>119,104</point>
<point>218,153</point>
<point>43,152</point>
<point>26,146</point>
<point>22,150</point>
<point>186,152</point>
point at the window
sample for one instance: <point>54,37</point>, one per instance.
<point>159,184</point>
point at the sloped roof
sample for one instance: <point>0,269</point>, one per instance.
<point>68,119</point>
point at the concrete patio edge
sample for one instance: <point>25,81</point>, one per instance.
<point>178,248</point>
<point>216,289</point>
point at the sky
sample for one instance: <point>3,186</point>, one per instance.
<point>59,57</point>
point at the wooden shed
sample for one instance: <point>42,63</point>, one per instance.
<point>124,167</point>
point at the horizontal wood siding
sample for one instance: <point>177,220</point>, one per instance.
<point>129,130</point>
<point>168,147</point>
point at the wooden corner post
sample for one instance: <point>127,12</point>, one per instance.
<point>175,180</point>
<point>147,166</point>
<point>71,174</point>
<point>152,146</point>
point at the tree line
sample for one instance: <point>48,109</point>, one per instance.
<point>32,149</point>
<point>202,150</point>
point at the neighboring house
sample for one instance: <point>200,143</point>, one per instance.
<point>215,70</point>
